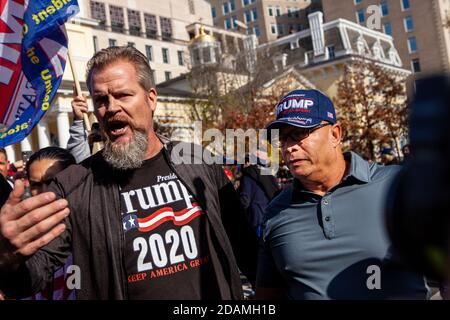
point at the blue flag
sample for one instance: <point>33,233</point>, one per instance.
<point>33,52</point>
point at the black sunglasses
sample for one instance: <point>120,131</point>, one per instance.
<point>298,134</point>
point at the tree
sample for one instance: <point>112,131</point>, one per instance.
<point>371,105</point>
<point>228,94</point>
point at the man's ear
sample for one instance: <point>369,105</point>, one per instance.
<point>336,134</point>
<point>152,97</point>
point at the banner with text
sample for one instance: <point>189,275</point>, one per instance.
<point>33,52</point>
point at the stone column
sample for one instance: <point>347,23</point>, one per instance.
<point>62,121</point>
<point>10,153</point>
<point>25,144</point>
<point>108,17</point>
<point>317,32</point>
<point>43,134</point>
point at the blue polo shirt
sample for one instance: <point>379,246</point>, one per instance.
<point>335,246</point>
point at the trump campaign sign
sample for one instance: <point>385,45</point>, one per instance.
<point>33,52</point>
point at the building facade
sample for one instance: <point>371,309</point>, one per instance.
<point>322,52</point>
<point>267,19</point>
<point>156,28</point>
<point>417,27</point>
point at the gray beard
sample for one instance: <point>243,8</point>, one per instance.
<point>126,156</point>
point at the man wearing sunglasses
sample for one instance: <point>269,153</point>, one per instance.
<point>324,237</point>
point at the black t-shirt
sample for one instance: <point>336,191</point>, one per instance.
<point>168,250</point>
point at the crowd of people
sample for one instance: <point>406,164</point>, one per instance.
<point>142,221</point>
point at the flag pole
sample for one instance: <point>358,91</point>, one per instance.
<point>78,89</point>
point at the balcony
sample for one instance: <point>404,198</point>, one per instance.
<point>166,36</point>
<point>151,33</point>
<point>117,27</point>
<point>135,31</point>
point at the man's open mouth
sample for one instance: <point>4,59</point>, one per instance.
<point>117,127</point>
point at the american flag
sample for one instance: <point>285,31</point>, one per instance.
<point>162,215</point>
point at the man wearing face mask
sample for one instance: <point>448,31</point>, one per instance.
<point>145,221</point>
<point>324,237</point>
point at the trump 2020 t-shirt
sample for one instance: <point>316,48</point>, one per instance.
<point>167,251</point>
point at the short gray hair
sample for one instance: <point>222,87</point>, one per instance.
<point>110,55</point>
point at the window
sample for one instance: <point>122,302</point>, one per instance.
<point>213,12</point>
<point>95,41</point>
<point>180,58</point>
<point>358,1</point>
<point>247,16</point>
<point>232,5</point>
<point>270,11</point>
<point>273,28</point>
<point>409,24</point>
<point>149,52</point>
<point>227,23</point>
<point>166,28</point>
<point>134,22</point>
<point>415,65</point>
<point>131,44</point>
<point>168,75</point>
<point>245,3</point>
<point>405,4</point>
<point>331,52</point>
<point>255,14</point>
<point>360,16</point>
<point>296,12</point>
<point>384,8</point>
<point>280,29</point>
<point>165,55</point>
<point>387,28</point>
<point>235,25</point>
<point>256,31</point>
<point>151,26</point>
<point>112,42</point>
<point>412,44</point>
<point>289,13</point>
<point>117,18</point>
<point>226,8</point>
<point>278,11</point>
<point>191,6</point>
<point>98,12</point>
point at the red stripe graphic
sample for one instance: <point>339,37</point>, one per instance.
<point>162,215</point>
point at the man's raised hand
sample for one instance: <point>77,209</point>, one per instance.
<point>28,225</point>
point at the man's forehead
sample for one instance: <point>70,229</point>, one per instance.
<point>111,85</point>
<point>115,71</point>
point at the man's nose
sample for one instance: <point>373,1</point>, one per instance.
<point>291,145</point>
<point>113,105</point>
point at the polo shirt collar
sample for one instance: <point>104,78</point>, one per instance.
<point>359,170</point>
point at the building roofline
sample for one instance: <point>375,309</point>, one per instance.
<point>355,57</point>
<point>327,26</point>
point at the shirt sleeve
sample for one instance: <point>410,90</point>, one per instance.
<point>78,144</point>
<point>267,275</point>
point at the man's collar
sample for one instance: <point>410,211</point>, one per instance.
<point>359,168</point>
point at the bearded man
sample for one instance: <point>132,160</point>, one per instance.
<point>143,223</point>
